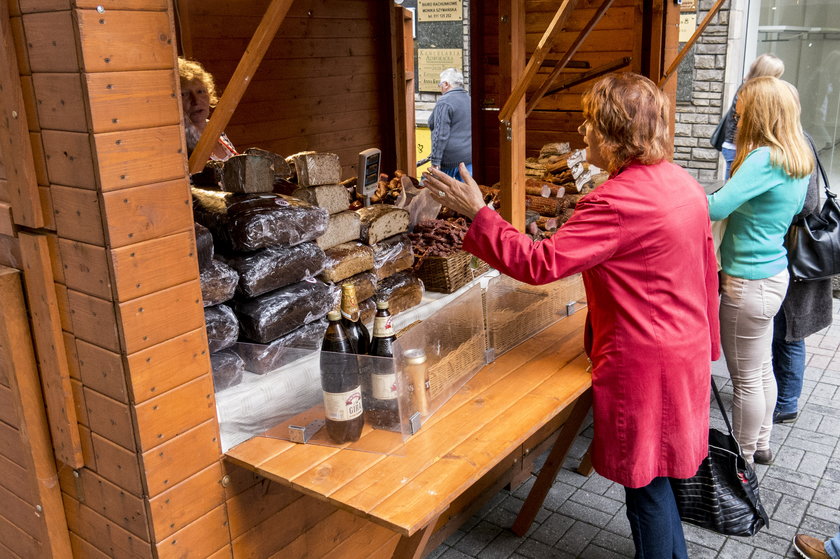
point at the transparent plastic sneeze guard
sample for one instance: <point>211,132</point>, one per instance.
<point>432,360</point>
<point>517,311</point>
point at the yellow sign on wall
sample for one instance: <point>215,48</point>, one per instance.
<point>431,62</point>
<point>423,136</point>
<point>439,10</point>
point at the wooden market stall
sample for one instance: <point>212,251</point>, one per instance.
<point>105,382</point>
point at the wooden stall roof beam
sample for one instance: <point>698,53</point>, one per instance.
<point>16,342</point>
<point>14,134</point>
<point>687,47</point>
<point>512,130</point>
<point>543,48</point>
<point>561,64</point>
<point>267,29</point>
<point>592,74</point>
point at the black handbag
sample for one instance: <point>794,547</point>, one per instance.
<point>813,241</point>
<point>723,494</point>
<point>719,135</point>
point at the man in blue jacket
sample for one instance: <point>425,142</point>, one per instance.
<point>451,125</point>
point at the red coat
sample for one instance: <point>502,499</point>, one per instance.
<point>644,244</point>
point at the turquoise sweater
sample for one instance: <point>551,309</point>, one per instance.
<point>760,201</point>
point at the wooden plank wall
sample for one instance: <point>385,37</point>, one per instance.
<point>105,93</point>
<point>557,117</point>
<point>324,84</point>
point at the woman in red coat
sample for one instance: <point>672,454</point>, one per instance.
<point>643,243</point>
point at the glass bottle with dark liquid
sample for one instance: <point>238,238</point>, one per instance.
<point>383,411</point>
<point>341,383</point>
<point>351,320</point>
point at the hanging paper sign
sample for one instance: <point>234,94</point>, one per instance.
<point>431,62</point>
<point>439,10</point>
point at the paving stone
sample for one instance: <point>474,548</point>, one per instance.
<point>814,465</point>
<point>597,484</point>
<point>454,538</point>
<point>789,510</point>
<point>826,513</point>
<point>703,537</point>
<point>565,475</point>
<point>781,530</point>
<point>503,546</point>
<point>619,524</point>
<point>809,421</point>
<point>454,554</point>
<point>598,502</point>
<point>477,538</point>
<point>585,513</point>
<point>828,494</point>
<point>764,554</point>
<point>554,527</point>
<point>594,551</point>
<point>615,543</point>
<point>437,552</point>
<point>523,490</point>
<point>577,538</point>
<point>797,477</point>
<point>557,495</point>
<point>817,527</point>
<point>538,550</point>
<point>735,549</point>
<point>501,517</point>
<point>788,458</point>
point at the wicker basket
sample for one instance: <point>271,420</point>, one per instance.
<point>450,273</point>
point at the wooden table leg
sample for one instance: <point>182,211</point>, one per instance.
<point>555,461</point>
<point>585,467</point>
<point>412,547</point>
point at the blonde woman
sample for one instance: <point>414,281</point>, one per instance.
<point>770,179</point>
<point>198,94</point>
<point>764,65</point>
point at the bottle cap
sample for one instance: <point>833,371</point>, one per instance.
<point>334,315</point>
<point>382,305</point>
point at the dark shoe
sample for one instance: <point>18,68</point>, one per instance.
<point>809,547</point>
<point>785,417</point>
<point>763,457</point>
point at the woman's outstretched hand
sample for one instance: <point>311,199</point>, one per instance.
<point>463,197</point>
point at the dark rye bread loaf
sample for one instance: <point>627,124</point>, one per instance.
<point>345,260</point>
<point>203,246</point>
<point>364,283</point>
<point>248,174</point>
<point>380,222</point>
<point>282,170</point>
<point>222,327</point>
<point>391,256</point>
<point>228,369</point>
<point>218,283</point>
<point>264,358</point>
<point>274,267</point>
<point>275,314</point>
<point>246,222</point>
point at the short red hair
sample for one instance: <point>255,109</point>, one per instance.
<point>630,115</point>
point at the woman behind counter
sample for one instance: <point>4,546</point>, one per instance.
<point>644,245</point>
<point>768,185</point>
<point>198,94</point>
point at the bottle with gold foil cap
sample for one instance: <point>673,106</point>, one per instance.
<point>352,322</point>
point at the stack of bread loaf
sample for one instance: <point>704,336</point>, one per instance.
<point>285,240</point>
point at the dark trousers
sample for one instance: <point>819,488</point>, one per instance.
<point>788,366</point>
<point>655,521</point>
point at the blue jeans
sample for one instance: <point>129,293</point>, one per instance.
<point>832,546</point>
<point>788,366</point>
<point>455,172</point>
<point>655,521</point>
<point>729,157</point>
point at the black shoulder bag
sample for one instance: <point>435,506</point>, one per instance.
<point>719,135</point>
<point>723,494</point>
<point>813,241</point>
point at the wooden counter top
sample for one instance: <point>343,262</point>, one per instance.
<point>486,421</point>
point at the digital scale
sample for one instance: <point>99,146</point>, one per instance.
<point>368,169</point>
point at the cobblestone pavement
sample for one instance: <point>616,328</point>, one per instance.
<point>585,517</point>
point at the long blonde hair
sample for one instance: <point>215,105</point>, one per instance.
<point>771,118</point>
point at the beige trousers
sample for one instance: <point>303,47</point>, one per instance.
<point>747,308</point>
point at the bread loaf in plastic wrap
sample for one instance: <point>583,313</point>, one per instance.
<point>402,291</point>
<point>364,283</point>
<point>275,314</point>
<point>345,260</point>
<point>392,255</point>
<point>218,283</point>
<point>203,246</point>
<point>275,267</point>
<point>247,222</point>
<point>222,327</point>
<point>264,358</point>
<point>228,369</point>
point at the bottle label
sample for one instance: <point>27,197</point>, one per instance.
<point>352,316</point>
<point>384,387</point>
<point>382,327</point>
<point>343,406</point>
